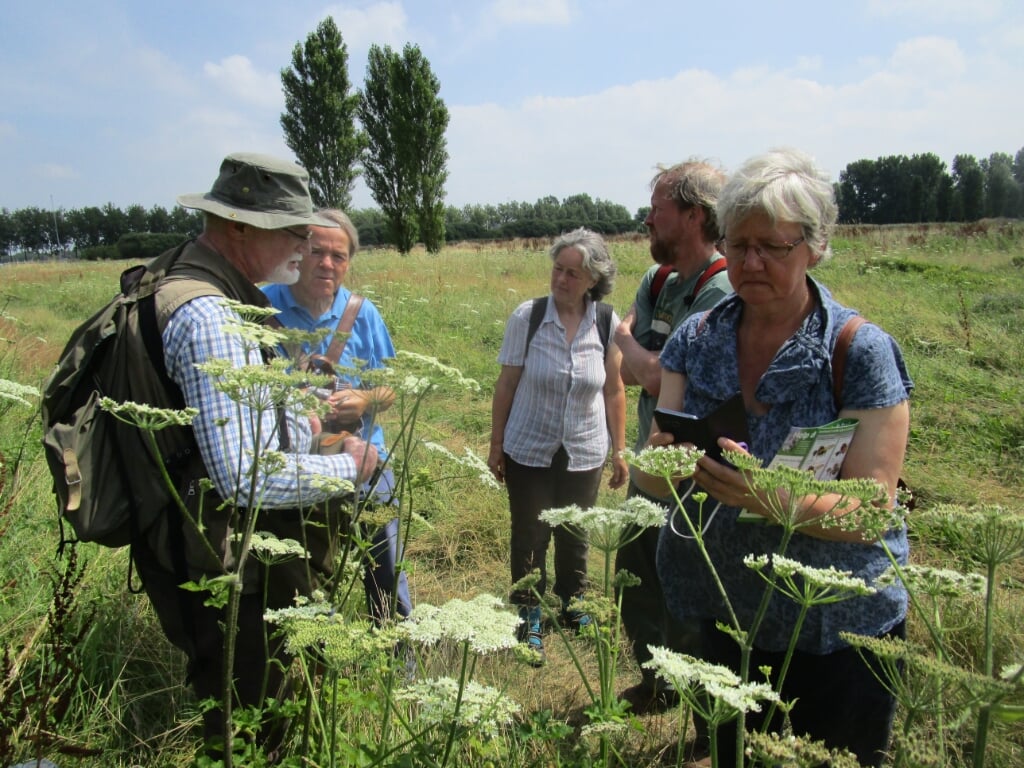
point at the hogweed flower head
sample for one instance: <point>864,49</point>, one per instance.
<point>808,585</point>
<point>859,506</point>
<point>269,549</point>
<point>338,641</point>
<point>469,460</point>
<point>414,373</point>
<point>481,708</point>
<point>12,390</point>
<point>693,677</point>
<point>934,582</point>
<point>667,461</point>
<point>608,529</point>
<point>146,416</point>
<point>483,623</point>
<point>991,535</point>
<point>250,313</point>
<point>330,485</point>
<point>787,749</point>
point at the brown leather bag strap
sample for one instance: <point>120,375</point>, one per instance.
<point>839,351</point>
<point>345,325</point>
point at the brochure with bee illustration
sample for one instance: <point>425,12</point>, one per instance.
<point>819,450</point>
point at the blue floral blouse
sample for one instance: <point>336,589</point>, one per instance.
<point>798,388</point>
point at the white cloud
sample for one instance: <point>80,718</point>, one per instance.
<point>929,58</point>
<point>607,143</point>
<point>532,12</point>
<point>237,76</point>
<point>380,23</point>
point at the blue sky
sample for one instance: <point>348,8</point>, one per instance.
<point>136,102</point>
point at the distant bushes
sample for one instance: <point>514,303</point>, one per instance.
<point>138,246</point>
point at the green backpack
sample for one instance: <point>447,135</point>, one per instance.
<point>105,473</point>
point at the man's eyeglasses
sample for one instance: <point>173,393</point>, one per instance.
<point>736,251</point>
<point>303,236</point>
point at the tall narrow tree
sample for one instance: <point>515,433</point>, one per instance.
<point>406,158</point>
<point>319,117</point>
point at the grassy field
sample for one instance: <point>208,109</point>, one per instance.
<point>953,297</point>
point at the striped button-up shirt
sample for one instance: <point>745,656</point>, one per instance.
<point>560,397</point>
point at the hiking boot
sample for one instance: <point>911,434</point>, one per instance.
<point>577,621</point>
<point>529,632</point>
<point>644,699</point>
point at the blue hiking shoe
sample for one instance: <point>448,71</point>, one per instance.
<point>530,633</point>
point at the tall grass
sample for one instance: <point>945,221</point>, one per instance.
<point>951,297</point>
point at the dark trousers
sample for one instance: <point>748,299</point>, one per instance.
<point>531,490</point>
<point>197,630</point>
<point>840,702</point>
<point>645,617</point>
<point>380,580</point>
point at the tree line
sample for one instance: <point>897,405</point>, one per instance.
<point>897,189</point>
<point>112,233</point>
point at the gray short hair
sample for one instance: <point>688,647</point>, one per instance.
<point>341,218</point>
<point>694,183</point>
<point>596,259</point>
<point>788,186</point>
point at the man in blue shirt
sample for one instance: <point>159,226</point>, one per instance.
<point>317,301</point>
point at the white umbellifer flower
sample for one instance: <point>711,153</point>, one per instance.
<point>483,623</point>
<point>268,547</point>
<point>470,460</point>
<point>818,585</point>
<point>482,708</point>
<point>668,461</point>
<point>607,528</point>
<point>935,582</point>
<point>146,416</point>
<point>332,486</point>
<point>688,675</point>
<point>12,390</point>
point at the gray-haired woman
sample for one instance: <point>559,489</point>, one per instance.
<point>559,405</point>
<point>773,341</point>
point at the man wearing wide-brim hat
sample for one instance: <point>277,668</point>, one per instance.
<point>256,228</point>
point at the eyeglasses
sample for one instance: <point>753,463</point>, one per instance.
<point>303,236</point>
<point>735,251</point>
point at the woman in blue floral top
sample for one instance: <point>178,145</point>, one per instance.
<point>772,341</point>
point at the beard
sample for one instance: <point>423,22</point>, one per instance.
<point>285,273</point>
<point>661,252</point>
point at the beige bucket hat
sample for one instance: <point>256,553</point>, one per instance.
<point>259,190</point>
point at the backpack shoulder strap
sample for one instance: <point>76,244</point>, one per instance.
<point>345,325</point>
<point>713,269</point>
<point>658,281</point>
<point>604,324</point>
<point>537,311</point>
<point>842,346</point>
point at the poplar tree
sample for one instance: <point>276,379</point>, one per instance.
<point>319,117</point>
<point>406,157</point>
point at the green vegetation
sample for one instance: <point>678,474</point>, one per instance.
<point>86,671</point>
<point>319,117</point>
<point>406,158</point>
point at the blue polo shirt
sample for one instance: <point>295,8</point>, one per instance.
<point>370,343</point>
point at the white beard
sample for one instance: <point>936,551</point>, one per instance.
<point>286,273</point>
